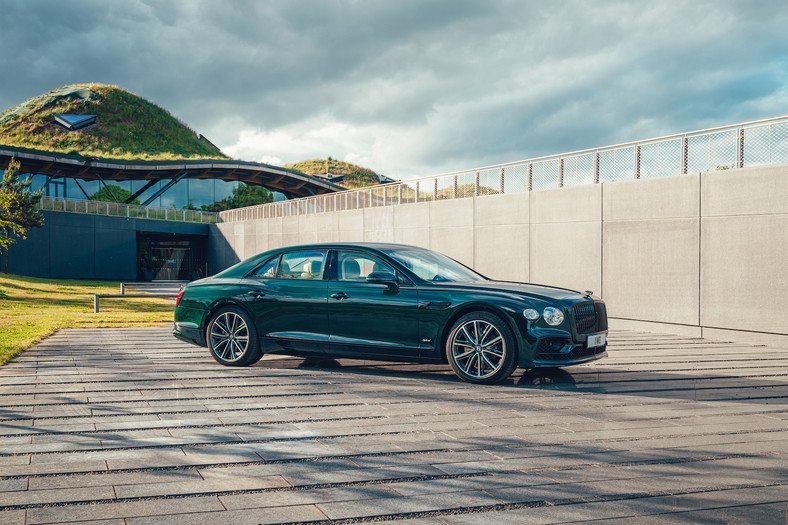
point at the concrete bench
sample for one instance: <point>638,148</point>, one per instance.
<point>98,296</point>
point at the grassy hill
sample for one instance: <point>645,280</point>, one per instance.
<point>354,176</point>
<point>127,126</point>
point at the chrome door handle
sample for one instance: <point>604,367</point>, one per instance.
<point>255,293</point>
<point>339,296</point>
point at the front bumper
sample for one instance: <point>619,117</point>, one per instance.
<point>568,354</point>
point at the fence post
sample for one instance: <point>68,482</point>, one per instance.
<point>685,156</point>
<point>399,193</point>
<point>501,181</point>
<point>476,185</point>
<point>454,188</point>
<point>530,177</point>
<point>637,162</point>
<point>417,192</point>
<point>434,189</point>
<point>561,173</point>
<point>596,167</point>
<point>741,148</point>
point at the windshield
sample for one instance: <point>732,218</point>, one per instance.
<point>432,266</point>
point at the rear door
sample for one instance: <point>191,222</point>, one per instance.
<point>288,298</point>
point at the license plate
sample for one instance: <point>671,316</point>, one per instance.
<point>595,340</point>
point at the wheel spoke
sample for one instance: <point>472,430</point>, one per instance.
<point>485,332</point>
<point>491,343</point>
<point>221,326</point>
<point>497,353</point>
<point>469,364</point>
<point>464,354</point>
<point>489,363</point>
<point>470,339</point>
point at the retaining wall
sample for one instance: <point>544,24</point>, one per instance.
<point>702,254</point>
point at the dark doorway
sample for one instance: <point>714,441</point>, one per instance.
<point>171,256</point>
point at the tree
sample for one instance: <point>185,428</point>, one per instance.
<point>120,193</point>
<point>18,211</point>
<point>243,195</point>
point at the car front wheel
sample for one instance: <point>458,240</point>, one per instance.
<point>232,338</point>
<point>481,348</point>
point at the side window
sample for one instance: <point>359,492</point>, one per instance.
<point>267,270</point>
<point>356,266</point>
<point>306,265</point>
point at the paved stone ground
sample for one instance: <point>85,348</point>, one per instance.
<point>132,426</point>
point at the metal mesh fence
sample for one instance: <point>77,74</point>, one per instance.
<point>749,144</point>
<point>116,209</point>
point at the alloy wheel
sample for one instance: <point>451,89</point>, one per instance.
<point>478,348</point>
<point>229,336</point>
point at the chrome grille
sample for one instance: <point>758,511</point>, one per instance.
<point>589,317</point>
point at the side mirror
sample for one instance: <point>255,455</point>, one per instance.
<point>384,277</point>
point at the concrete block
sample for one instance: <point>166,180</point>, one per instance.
<point>745,191</point>
<point>416,215</point>
<point>291,239</point>
<point>744,283</point>
<point>351,221</point>
<point>413,236</point>
<point>379,218</point>
<point>308,226</point>
<point>457,243</point>
<point>657,328</point>
<point>578,204</point>
<point>275,240</point>
<point>501,252</point>
<point>650,270</point>
<point>328,222</point>
<point>501,209</point>
<point>662,198</point>
<point>379,224</point>
<point>567,255</point>
<point>290,225</point>
<point>379,235</point>
<point>275,225</point>
<point>451,213</point>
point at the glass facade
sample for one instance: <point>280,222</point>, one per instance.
<point>185,194</point>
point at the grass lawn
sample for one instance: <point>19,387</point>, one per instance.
<point>32,308</point>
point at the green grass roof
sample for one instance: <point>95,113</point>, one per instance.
<point>127,126</point>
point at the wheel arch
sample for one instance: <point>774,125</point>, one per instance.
<point>470,308</point>
<point>218,305</point>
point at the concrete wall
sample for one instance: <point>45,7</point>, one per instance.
<point>701,254</point>
<point>80,246</point>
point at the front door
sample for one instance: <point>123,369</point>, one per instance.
<point>367,319</point>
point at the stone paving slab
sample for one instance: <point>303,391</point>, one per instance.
<point>133,426</point>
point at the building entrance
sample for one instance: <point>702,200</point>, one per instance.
<point>171,257</point>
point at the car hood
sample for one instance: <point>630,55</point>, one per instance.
<point>536,291</point>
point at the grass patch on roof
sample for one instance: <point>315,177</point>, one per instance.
<point>128,127</point>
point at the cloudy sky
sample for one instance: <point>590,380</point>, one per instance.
<point>412,88</point>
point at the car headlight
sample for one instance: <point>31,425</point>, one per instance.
<point>553,316</point>
<point>531,314</point>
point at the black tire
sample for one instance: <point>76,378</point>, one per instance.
<point>481,348</point>
<point>232,338</point>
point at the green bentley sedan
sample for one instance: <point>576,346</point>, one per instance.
<point>387,302</point>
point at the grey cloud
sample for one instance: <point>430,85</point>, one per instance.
<point>467,82</point>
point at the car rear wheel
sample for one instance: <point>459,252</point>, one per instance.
<point>232,338</point>
<point>481,348</point>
